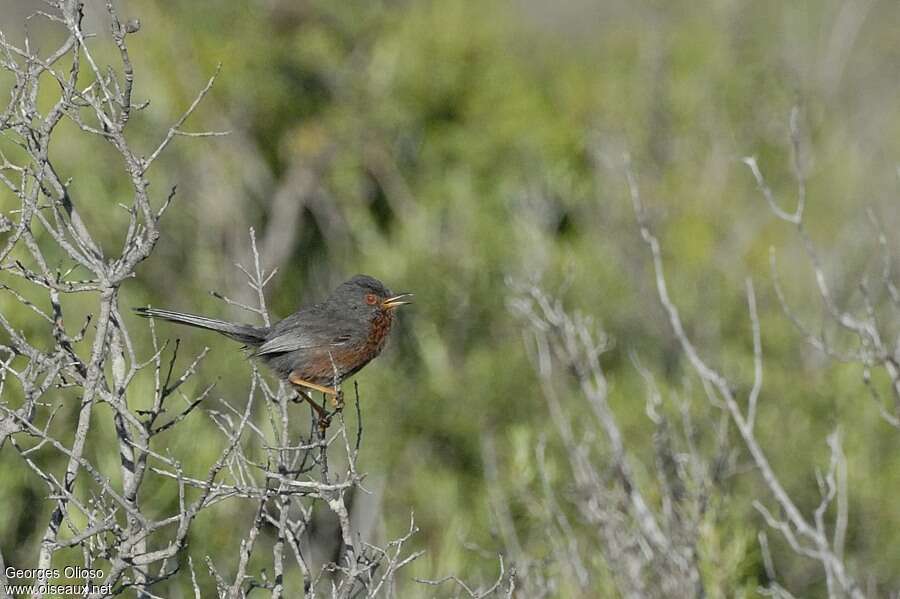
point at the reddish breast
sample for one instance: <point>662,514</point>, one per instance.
<point>331,366</point>
<point>381,326</point>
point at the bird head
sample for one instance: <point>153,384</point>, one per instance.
<point>368,294</point>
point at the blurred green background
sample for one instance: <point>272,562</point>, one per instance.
<point>449,148</point>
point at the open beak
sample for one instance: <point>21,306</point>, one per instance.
<point>398,300</point>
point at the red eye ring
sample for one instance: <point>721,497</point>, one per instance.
<point>371,299</point>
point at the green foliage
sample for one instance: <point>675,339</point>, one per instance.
<point>460,144</point>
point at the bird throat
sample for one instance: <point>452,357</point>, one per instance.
<point>380,327</point>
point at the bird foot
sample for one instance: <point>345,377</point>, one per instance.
<point>337,400</point>
<point>323,422</point>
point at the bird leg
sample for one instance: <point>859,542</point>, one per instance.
<point>296,380</point>
<point>335,395</point>
<point>303,395</point>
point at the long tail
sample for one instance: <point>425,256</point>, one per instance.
<point>244,333</point>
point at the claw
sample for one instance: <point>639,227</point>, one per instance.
<point>324,422</point>
<point>337,400</point>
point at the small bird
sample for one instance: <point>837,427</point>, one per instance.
<point>318,346</point>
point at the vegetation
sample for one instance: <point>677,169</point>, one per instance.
<point>478,154</point>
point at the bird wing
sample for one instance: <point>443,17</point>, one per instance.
<point>310,328</point>
<point>294,340</point>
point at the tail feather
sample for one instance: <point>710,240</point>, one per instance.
<point>239,332</point>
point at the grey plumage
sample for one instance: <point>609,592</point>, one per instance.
<point>245,333</point>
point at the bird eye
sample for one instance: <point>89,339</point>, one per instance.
<point>371,299</point>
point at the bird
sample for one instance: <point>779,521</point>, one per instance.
<point>319,346</point>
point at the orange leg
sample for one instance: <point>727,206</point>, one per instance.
<point>296,380</point>
<point>304,396</point>
<point>335,395</point>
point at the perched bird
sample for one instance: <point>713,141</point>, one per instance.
<point>319,346</point>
